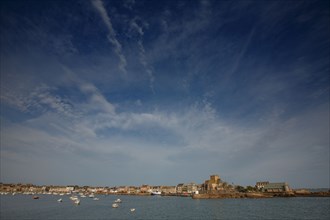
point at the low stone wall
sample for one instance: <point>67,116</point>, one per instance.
<point>231,195</point>
<point>258,195</point>
<point>312,194</point>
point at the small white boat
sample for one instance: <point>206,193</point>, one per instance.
<point>83,196</point>
<point>115,205</point>
<point>118,200</point>
<point>96,199</point>
<point>155,193</point>
<point>74,198</point>
<point>77,202</point>
<point>59,200</point>
<point>91,196</point>
<point>132,210</point>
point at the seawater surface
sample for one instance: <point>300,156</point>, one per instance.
<point>158,207</point>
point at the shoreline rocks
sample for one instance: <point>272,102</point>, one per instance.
<point>257,195</point>
<point>231,195</point>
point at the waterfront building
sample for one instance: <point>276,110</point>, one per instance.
<point>91,189</point>
<point>260,185</point>
<point>179,188</point>
<point>215,179</point>
<point>200,187</point>
<point>113,190</point>
<point>168,189</point>
<point>186,188</point>
<point>122,189</point>
<point>58,189</point>
<point>189,188</point>
<point>276,187</point>
<point>214,183</point>
<point>156,188</point>
<point>133,189</point>
<point>70,188</point>
<point>145,188</point>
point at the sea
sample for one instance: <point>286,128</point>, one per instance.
<point>162,207</point>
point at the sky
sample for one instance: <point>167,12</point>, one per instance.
<point>132,92</point>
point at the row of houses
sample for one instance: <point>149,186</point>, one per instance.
<point>33,188</point>
<point>180,188</point>
<point>214,184</point>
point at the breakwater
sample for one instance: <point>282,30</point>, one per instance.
<point>257,195</point>
<point>230,195</point>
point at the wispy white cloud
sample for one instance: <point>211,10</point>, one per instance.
<point>142,53</point>
<point>191,23</point>
<point>98,5</point>
<point>167,138</point>
<point>242,52</point>
<point>40,100</point>
<point>96,100</point>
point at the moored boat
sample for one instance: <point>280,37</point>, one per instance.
<point>115,205</point>
<point>91,196</point>
<point>73,198</point>
<point>155,193</point>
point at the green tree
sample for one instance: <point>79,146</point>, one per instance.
<point>240,188</point>
<point>250,188</point>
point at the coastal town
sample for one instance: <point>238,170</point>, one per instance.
<point>214,187</point>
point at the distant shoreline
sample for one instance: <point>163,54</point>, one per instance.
<point>180,190</point>
<point>214,195</point>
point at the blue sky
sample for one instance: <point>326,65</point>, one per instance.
<point>161,92</point>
